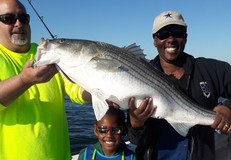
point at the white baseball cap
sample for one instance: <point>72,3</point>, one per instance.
<point>167,18</point>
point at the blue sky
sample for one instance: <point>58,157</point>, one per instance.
<point>123,22</point>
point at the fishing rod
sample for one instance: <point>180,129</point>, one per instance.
<point>41,19</point>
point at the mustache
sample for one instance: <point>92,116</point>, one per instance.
<point>18,30</point>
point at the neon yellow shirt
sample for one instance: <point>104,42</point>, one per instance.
<point>34,126</point>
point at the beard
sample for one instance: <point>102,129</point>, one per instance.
<point>19,41</point>
<point>19,37</point>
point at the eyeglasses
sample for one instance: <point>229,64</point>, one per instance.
<point>105,129</point>
<point>11,18</point>
<point>178,33</point>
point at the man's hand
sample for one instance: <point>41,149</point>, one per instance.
<point>222,120</point>
<point>13,87</point>
<point>31,76</point>
<point>139,115</point>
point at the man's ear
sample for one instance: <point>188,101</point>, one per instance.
<point>186,37</point>
<point>154,42</point>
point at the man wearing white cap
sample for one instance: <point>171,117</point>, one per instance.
<point>203,80</point>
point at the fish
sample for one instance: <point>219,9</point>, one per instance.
<point>109,72</point>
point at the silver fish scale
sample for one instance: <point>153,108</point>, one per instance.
<point>146,73</point>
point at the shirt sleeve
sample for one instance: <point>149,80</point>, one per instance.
<point>225,78</point>
<point>137,136</point>
<point>81,154</point>
<point>227,103</point>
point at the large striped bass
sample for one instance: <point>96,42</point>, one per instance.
<point>114,73</point>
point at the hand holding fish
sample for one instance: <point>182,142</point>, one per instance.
<point>31,75</point>
<point>138,115</point>
<point>222,120</point>
<point>16,85</point>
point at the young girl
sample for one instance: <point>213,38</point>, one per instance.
<point>109,131</point>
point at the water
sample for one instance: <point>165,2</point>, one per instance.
<point>80,121</point>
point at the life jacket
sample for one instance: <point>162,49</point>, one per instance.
<point>91,153</point>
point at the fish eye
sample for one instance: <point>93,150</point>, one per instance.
<point>61,41</point>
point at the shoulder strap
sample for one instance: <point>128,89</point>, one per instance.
<point>89,152</point>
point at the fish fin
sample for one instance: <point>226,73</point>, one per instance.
<point>136,50</point>
<point>107,65</point>
<point>99,103</point>
<point>113,65</point>
<point>182,128</point>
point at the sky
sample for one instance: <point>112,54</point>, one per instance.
<point>123,22</point>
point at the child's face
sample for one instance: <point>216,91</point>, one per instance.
<point>109,134</point>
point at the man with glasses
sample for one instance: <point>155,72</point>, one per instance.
<point>33,122</point>
<point>203,80</point>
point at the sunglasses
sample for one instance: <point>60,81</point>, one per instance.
<point>11,18</point>
<point>178,33</point>
<point>105,129</point>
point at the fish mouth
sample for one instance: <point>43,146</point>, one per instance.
<point>43,45</point>
<point>44,54</point>
<point>40,51</point>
